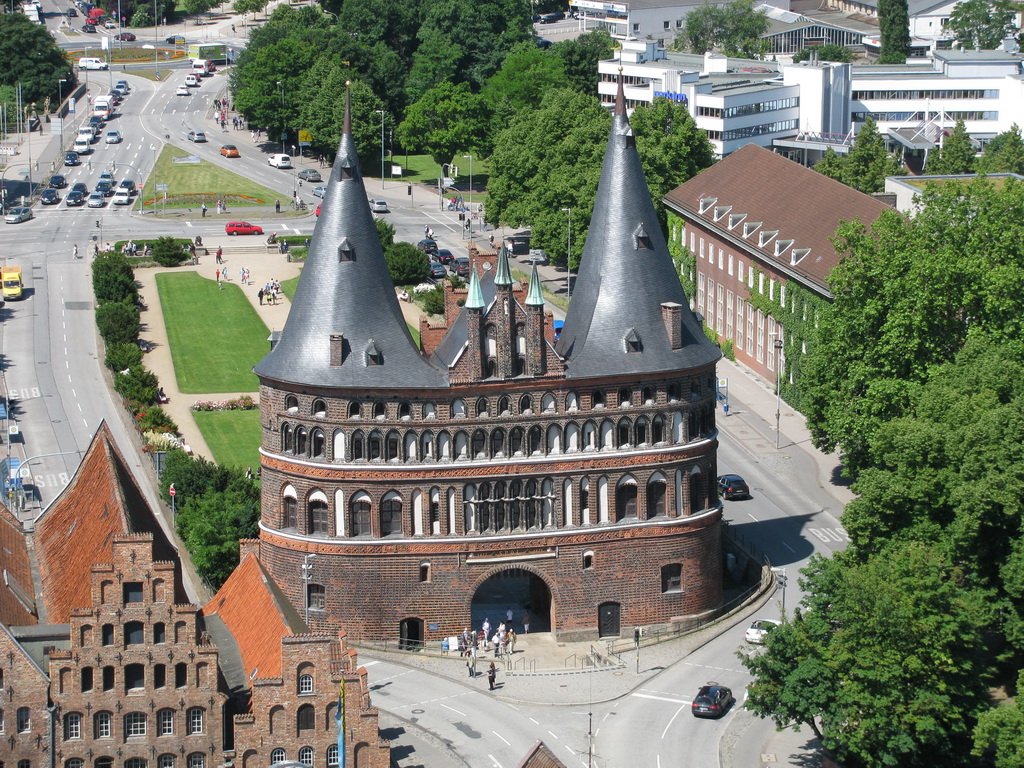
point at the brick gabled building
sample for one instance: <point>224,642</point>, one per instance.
<point>574,480</point>
<point>759,227</point>
<point>25,714</point>
<point>289,681</point>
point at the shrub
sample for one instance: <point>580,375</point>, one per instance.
<point>406,264</point>
<point>153,418</point>
<point>137,385</point>
<point>113,279</point>
<point>728,351</point>
<point>433,302</point>
<point>122,355</point>
<point>118,322</point>
<point>167,252</point>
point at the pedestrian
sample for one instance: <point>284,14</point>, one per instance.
<point>277,206</point>
<point>526,622</point>
<point>232,29</point>
<point>76,250</point>
<point>204,210</point>
<point>492,675</point>
<point>511,641</point>
<point>217,275</point>
<point>486,627</point>
<point>471,661</point>
<point>260,296</point>
<point>508,616</point>
<point>220,255</point>
<point>241,275</point>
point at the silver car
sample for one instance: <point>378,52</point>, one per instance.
<point>97,200</point>
<point>319,191</point>
<point>18,215</point>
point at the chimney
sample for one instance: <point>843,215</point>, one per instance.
<point>337,349</point>
<point>672,317</point>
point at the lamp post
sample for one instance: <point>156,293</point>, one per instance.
<point>470,182</point>
<point>568,257</point>
<point>280,86</point>
<point>777,345</point>
<point>60,117</point>
<point>381,111</point>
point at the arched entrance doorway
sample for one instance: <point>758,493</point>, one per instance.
<point>410,634</point>
<point>516,589</point>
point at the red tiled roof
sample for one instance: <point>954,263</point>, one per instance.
<point>247,604</point>
<point>802,204</point>
<point>540,756</point>
<point>75,531</point>
<point>16,589</point>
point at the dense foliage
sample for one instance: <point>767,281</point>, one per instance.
<point>407,264</point>
<point>827,52</point>
<point>982,24</point>
<point>866,165</point>
<point>894,26</point>
<point>32,59</point>
<point>167,252</point>
<point>734,29</point>
<point>1004,154</point>
<point>955,155</point>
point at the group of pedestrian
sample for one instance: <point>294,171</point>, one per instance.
<point>270,291</point>
<point>222,205</point>
<point>255,134</point>
<point>130,248</point>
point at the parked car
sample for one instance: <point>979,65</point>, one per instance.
<point>81,188</point>
<point>280,161</point>
<point>72,13</point>
<point>106,176</point>
<point>759,629</point>
<point>74,199</point>
<point>58,182</point>
<point>175,40</point>
<point>319,191</point>
<point>18,215</point>
<point>230,150</point>
<point>428,246</point>
<point>308,174</point>
<point>88,27</point>
<point>445,256</point>
<point>197,137</point>
<point>242,228</point>
<point>733,487</point>
<point>182,90</point>
<point>127,36</point>
<point>128,185</point>
<point>712,700</point>
<point>110,24</point>
<point>551,18</point>
<point>381,206</point>
<point>437,270</point>
<point>71,159</point>
<point>49,197</point>
<point>462,266</point>
<point>112,137</point>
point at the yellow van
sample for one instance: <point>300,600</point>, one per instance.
<point>10,275</point>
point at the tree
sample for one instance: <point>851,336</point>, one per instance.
<point>580,58</point>
<point>735,29</point>
<point>1004,154</point>
<point>1000,731</point>
<point>956,155</point>
<point>385,232</point>
<point>525,75</point>
<point>446,120</point>
<point>322,111</point>
<point>167,252</point>
<point>407,264</point>
<point>827,52</point>
<point>894,26</point>
<point>248,6</point>
<point>32,59</point>
<point>867,164</point>
<point>212,524</point>
<point>195,7</point>
<point>113,278</point>
<point>982,25</point>
<point>118,322</point>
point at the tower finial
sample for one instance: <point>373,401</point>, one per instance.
<point>346,127</point>
<point>504,274</point>
<point>620,96</point>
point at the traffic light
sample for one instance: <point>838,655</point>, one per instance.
<point>97,223</point>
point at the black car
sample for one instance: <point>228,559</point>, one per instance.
<point>71,158</point>
<point>105,187</point>
<point>428,246</point>
<point>175,40</point>
<point>49,197</point>
<point>551,18</point>
<point>81,188</point>
<point>308,174</point>
<point>733,487</point>
<point>72,13</point>
<point>712,700</point>
<point>58,182</point>
<point>97,122</point>
<point>74,198</point>
<point>88,27</point>
<point>445,256</point>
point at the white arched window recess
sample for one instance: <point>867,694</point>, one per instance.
<point>585,502</point>
<point>567,504</point>
<point>339,512</point>
<point>554,439</point>
<point>468,501</point>
<point>291,404</point>
<point>411,447</point>
<point>338,448</point>
<point>572,402</point>
<point>547,403</point>
<point>602,500</point>
<point>429,411</point>
<point>417,513</point>
<point>458,408</point>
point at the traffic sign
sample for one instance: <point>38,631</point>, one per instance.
<point>172,491</point>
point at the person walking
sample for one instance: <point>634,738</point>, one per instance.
<point>76,250</point>
<point>526,622</point>
<point>259,295</point>
<point>492,675</point>
<point>277,206</point>
<point>203,209</point>
<point>217,275</point>
<point>486,627</point>
<point>471,662</point>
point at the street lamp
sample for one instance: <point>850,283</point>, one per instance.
<point>777,345</point>
<point>60,117</point>
<point>568,256</point>
<point>381,111</point>
<point>470,182</point>
<point>280,85</point>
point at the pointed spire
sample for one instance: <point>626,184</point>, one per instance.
<point>475,296</point>
<point>346,126</point>
<point>620,96</point>
<point>534,295</point>
<point>504,274</point>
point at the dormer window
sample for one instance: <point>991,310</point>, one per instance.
<point>347,168</point>
<point>750,228</point>
<point>346,252</point>
<point>641,239</point>
<point>766,237</point>
<point>705,204</point>
<point>721,210</point>
<point>632,341</point>
<point>373,354</point>
<point>798,255</point>
<point>735,219</point>
<point>781,246</point>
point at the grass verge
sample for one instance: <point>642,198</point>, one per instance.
<point>215,334</point>
<point>191,185</point>
<point>234,437</point>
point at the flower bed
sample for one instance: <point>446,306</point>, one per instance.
<point>243,403</point>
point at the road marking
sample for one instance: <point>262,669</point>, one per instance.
<point>535,722</point>
<point>672,720</point>
<point>369,663</point>
<point>494,761</point>
<point>828,535</point>
<point>660,698</point>
<point>507,743</point>
<point>553,736</point>
<point>788,547</point>
<point>453,709</point>
<point>752,517</point>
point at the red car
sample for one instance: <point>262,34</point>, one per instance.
<point>242,228</point>
<point>127,36</point>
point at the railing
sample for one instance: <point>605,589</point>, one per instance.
<point>839,139</point>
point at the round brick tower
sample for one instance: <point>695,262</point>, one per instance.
<point>496,469</point>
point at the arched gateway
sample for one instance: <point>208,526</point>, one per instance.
<point>518,589</point>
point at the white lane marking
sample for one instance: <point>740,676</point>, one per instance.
<point>752,517</point>
<point>660,698</point>
<point>453,709</point>
<point>553,736</point>
<point>672,720</point>
<point>494,761</point>
<point>788,547</point>
<point>535,722</point>
<point>369,663</point>
<point>507,742</point>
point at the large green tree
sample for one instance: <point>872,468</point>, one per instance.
<point>894,26</point>
<point>982,24</point>
<point>866,165</point>
<point>956,155</point>
<point>446,120</point>
<point>1004,154</point>
<point>525,75</point>
<point>322,112</point>
<point>735,29</point>
<point>580,57</point>
<point>32,59</point>
<point>1000,733</point>
<point>827,52</point>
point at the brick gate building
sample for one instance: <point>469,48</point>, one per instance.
<point>574,479</point>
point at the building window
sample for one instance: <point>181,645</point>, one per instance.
<point>74,762</point>
<point>361,518</point>
<point>159,676</point>
<point>317,600</point>
<point>291,512</point>
<point>72,726</point>
<point>332,756</point>
<point>306,685</point>
<point>277,756</point>
<point>24,720</point>
<point>133,634</point>
<point>391,517</point>
<point>318,516</point>
<point>135,762</point>
<point>101,725</point>
<point>134,677</point>
<point>671,577</point>
<point>319,408</point>
<point>165,722</point>
<point>588,561</point>
<point>180,675</point>
<point>108,634</point>
<point>306,718</point>
<point>86,679</point>
<point>424,572</point>
<point>159,632</point>
<point>132,591</point>
<point>165,761</point>
<point>306,756</point>
<point>194,723</point>
<point>135,724</point>
<point>197,760</point>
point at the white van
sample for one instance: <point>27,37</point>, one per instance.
<point>86,132</point>
<point>280,161</point>
<point>103,107</point>
<point>191,80</point>
<point>83,146</point>
<point>201,67</point>
<point>87,63</point>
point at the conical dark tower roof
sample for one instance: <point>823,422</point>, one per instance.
<point>616,323</point>
<point>345,291</point>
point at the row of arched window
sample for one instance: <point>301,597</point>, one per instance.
<point>166,760</point>
<point>133,676</point>
<point>505,405</point>
<point>166,722</point>
<point>500,506</point>
<point>375,445</point>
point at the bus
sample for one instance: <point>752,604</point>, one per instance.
<point>215,52</point>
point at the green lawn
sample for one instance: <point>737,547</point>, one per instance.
<point>422,168</point>
<point>190,185</point>
<point>234,437</point>
<point>215,335</point>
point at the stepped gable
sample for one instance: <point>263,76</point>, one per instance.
<point>257,614</point>
<point>747,185</point>
<point>76,530</point>
<point>616,324</point>
<point>541,756</point>
<point>17,596</point>
<point>345,327</point>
